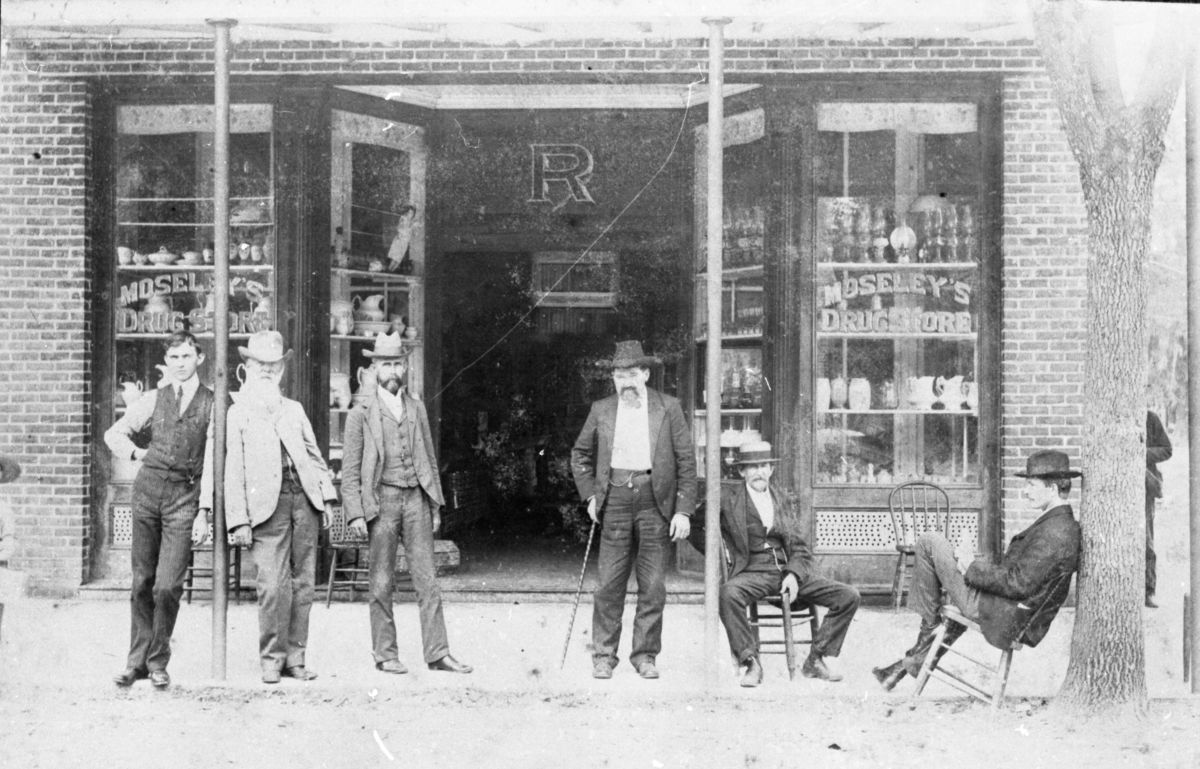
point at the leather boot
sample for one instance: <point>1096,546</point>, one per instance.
<point>915,657</point>
<point>889,676</point>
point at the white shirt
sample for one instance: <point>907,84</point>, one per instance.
<point>631,437</point>
<point>189,391</point>
<point>136,417</point>
<point>764,505</point>
<point>393,403</point>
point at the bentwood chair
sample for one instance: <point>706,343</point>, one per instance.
<point>347,558</point>
<point>916,507</point>
<point>195,572</point>
<point>995,677</point>
<point>775,613</point>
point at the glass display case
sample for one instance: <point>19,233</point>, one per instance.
<point>743,263</point>
<point>896,247</point>
<point>164,238</point>
<point>378,257</point>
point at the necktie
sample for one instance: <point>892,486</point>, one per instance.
<point>179,397</point>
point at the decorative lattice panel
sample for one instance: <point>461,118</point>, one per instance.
<point>121,525</point>
<point>338,531</point>
<point>870,531</point>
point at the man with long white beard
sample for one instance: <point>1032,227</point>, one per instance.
<point>276,485</point>
<point>391,491</point>
<point>634,465</point>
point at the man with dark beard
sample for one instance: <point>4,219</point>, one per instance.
<point>391,491</point>
<point>633,463</point>
<point>276,485</point>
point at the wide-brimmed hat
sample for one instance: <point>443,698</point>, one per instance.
<point>1050,465</point>
<point>390,345</point>
<point>265,347</point>
<point>629,354</point>
<point>10,469</point>
<point>754,453</point>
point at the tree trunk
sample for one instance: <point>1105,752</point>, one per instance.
<point>1118,145</point>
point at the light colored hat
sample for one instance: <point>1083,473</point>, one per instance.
<point>755,453</point>
<point>265,347</point>
<point>10,469</point>
<point>389,345</point>
<point>629,354</point>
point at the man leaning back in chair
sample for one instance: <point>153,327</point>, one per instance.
<point>766,556</point>
<point>999,595</point>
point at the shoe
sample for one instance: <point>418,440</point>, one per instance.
<point>891,675</point>
<point>160,679</point>
<point>815,667</point>
<point>127,676</point>
<point>391,666</point>
<point>647,670</point>
<point>270,676</point>
<point>752,673</point>
<point>1150,604</point>
<point>602,668</point>
<point>298,672</point>
<point>450,665</point>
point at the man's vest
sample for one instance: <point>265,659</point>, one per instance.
<point>177,440</point>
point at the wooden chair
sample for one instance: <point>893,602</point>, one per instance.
<point>195,572</point>
<point>997,674</point>
<point>348,554</point>
<point>774,612</point>
<point>916,507</point>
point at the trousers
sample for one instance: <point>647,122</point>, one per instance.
<point>163,512</point>
<point>764,579</point>
<point>404,514</point>
<point>633,533</point>
<point>285,554</point>
<point>1151,558</point>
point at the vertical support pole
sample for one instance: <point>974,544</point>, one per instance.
<point>220,578</point>
<point>1192,123</point>
<point>712,354</point>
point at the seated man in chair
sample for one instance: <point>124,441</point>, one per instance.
<point>999,596</point>
<point>768,558</point>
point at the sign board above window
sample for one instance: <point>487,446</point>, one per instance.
<point>570,279</point>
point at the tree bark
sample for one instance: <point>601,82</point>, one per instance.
<point>1118,147</point>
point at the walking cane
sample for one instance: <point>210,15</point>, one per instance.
<point>578,592</point>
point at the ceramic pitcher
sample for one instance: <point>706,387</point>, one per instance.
<point>369,307</point>
<point>367,381</point>
<point>837,393</point>
<point>950,392</point>
<point>921,392</point>
<point>859,394</point>
<point>339,389</point>
<point>130,392</point>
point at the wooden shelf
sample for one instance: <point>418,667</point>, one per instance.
<point>355,338</point>
<point>204,335</point>
<point>385,277</point>
<point>743,271</point>
<point>867,266</point>
<point>886,412</point>
<point>177,267</point>
<point>885,335</point>
<point>733,338</point>
<point>732,412</point>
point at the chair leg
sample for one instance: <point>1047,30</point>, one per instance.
<point>189,575</point>
<point>237,576</point>
<point>1001,679</point>
<point>332,573</point>
<point>897,582</point>
<point>753,609</point>
<point>789,642</point>
<point>931,659</point>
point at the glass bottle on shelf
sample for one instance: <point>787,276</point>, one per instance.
<point>950,234</point>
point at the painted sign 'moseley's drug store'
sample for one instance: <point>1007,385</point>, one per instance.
<point>895,192</point>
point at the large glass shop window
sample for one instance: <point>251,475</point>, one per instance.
<point>744,258</point>
<point>897,270</point>
<point>164,235</point>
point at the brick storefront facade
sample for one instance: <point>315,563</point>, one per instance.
<point>46,299</point>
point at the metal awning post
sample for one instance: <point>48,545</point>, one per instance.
<point>1192,217</point>
<point>712,356</point>
<point>220,578</point>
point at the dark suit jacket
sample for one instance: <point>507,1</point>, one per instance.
<point>673,473</point>
<point>1027,587</point>
<point>1158,449</point>
<point>362,455</point>
<point>735,501</point>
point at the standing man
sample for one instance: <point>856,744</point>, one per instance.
<point>767,556</point>
<point>391,491</point>
<point>1158,449</point>
<point>276,485</point>
<point>1034,574</point>
<point>634,464</point>
<point>166,494</point>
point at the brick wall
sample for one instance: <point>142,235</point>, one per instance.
<point>45,348</point>
<point>44,357</point>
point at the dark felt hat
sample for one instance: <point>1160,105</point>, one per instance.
<point>629,354</point>
<point>1050,465</point>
